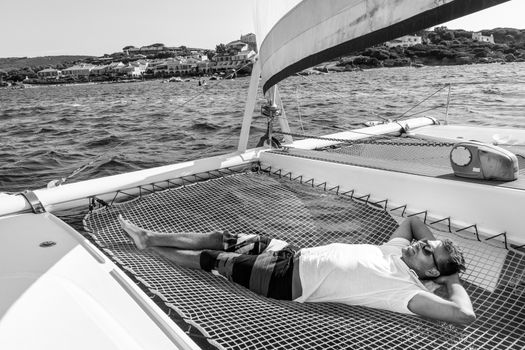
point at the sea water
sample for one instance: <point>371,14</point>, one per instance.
<point>48,132</point>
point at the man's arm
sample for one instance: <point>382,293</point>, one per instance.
<point>458,309</point>
<point>413,228</point>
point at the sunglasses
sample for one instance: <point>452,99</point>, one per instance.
<point>429,251</point>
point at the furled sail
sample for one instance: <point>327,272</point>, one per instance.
<point>300,34</point>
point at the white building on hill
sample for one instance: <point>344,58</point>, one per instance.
<point>49,73</point>
<point>251,40</point>
<point>404,41</point>
<point>78,71</point>
<point>482,38</point>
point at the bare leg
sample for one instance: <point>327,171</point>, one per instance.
<point>184,258</point>
<point>183,240</point>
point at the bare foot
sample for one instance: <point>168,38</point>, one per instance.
<point>138,234</point>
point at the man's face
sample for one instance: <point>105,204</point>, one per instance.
<point>425,257</point>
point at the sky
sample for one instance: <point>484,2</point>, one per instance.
<point>31,28</point>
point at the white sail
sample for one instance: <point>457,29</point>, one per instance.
<point>310,32</point>
<point>268,13</point>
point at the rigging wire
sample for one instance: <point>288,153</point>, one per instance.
<point>420,102</point>
<point>423,111</point>
<point>330,126</point>
<point>299,108</point>
<point>404,115</point>
<point>55,183</point>
<point>386,119</point>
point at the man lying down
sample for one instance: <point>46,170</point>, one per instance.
<point>389,276</point>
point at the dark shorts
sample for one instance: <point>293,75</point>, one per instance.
<point>248,261</point>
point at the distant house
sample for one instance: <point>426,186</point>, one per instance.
<point>78,71</point>
<point>100,70</point>
<point>237,45</point>
<point>170,66</point>
<point>251,40</point>
<point>114,69</point>
<point>131,50</point>
<point>152,49</point>
<point>243,57</point>
<point>204,67</point>
<point>228,62</point>
<point>405,41</point>
<point>201,64</point>
<point>238,53</point>
<point>181,66</point>
<point>223,62</point>
<point>134,69</point>
<point>477,36</point>
<point>49,74</point>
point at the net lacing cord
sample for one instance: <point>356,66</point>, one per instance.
<point>366,199</point>
<point>231,325</point>
<point>95,203</point>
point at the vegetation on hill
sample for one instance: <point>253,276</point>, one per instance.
<point>12,63</point>
<point>443,47</point>
<point>18,68</point>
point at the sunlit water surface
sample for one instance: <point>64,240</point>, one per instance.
<point>48,132</point>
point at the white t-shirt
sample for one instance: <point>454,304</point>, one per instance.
<point>359,274</point>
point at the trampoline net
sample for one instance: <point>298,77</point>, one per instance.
<point>407,155</point>
<point>231,317</point>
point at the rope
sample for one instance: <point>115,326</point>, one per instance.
<point>299,108</point>
<point>55,183</point>
<point>423,111</point>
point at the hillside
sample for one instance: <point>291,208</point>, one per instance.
<point>507,35</point>
<point>37,63</point>
<point>442,46</point>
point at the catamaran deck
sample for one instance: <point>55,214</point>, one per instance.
<point>405,155</point>
<point>305,213</point>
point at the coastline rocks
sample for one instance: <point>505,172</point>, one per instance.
<point>398,62</point>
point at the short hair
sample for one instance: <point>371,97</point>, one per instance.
<point>455,262</point>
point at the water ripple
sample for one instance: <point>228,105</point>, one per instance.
<point>48,132</point>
